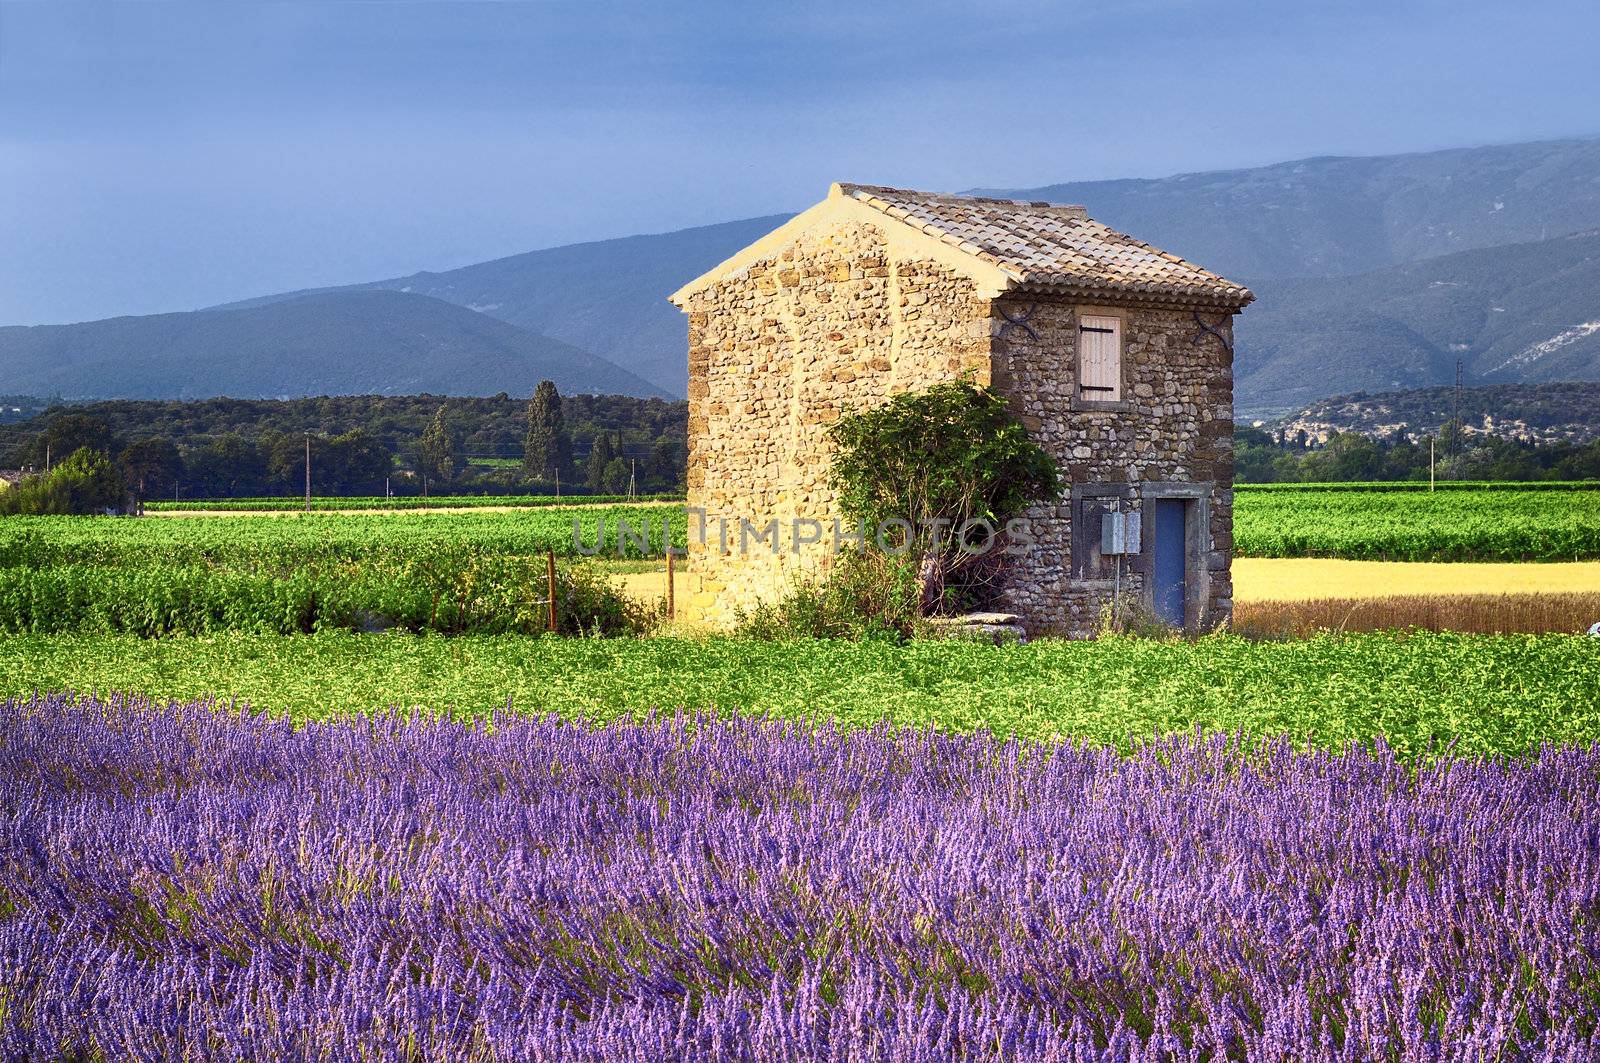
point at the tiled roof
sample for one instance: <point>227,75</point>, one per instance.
<point>1052,248</point>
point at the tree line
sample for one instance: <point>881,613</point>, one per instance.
<point>368,445</point>
<point>1262,457</point>
<point>360,445</point>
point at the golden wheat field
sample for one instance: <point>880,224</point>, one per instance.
<point>1290,597</point>
<point>1286,579</point>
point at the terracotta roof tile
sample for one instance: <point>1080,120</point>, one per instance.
<point>1049,247</point>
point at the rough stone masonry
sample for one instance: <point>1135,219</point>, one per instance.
<point>876,291</point>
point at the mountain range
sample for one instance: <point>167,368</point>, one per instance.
<point>335,343</point>
<point>1371,273</point>
<point>1526,312</point>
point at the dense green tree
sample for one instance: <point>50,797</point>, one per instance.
<point>950,453</point>
<point>285,458</point>
<point>1346,456</point>
<point>85,483</point>
<point>439,450</point>
<point>230,466</point>
<point>669,462</point>
<point>614,481</point>
<point>547,448</point>
<point>954,465</point>
<point>150,466</point>
<point>600,457</point>
<point>1582,465</point>
<point>354,463</point>
<point>63,434</point>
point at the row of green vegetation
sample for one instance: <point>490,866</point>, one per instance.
<point>400,502</point>
<point>1471,693</point>
<point>1492,524</point>
<point>283,542</point>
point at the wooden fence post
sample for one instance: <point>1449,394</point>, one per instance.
<point>550,579</point>
<point>671,600</point>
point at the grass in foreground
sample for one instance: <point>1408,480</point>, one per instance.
<point>176,879</point>
<point>1487,694</point>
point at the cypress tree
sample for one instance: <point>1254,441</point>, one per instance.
<point>600,456</point>
<point>547,449</point>
<point>438,448</point>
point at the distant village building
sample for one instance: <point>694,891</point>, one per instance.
<point>1116,356</point>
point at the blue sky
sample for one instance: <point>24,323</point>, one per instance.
<point>168,155</point>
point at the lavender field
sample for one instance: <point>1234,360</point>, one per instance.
<point>183,883</point>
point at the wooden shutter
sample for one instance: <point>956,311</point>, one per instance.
<point>1100,358</point>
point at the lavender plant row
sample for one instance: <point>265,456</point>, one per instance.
<point>177,882</point>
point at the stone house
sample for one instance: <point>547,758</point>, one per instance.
<point>1117,357</point>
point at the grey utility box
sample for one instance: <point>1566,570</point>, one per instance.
<point>1119,533</point>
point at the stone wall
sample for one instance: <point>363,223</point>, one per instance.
<point>838,319</point>
<point>845,316</point>
<point>1174,427</point>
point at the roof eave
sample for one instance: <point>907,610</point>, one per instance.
<point>1230,297</point>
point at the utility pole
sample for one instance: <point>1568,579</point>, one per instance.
<point>1430,464</point>
<point>308,472</point>
<point>558,481</point>
<point>633,469</point>
<point>1455,440</point>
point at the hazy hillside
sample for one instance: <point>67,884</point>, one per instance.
<point>1329,216</point>
<point>609,297</point>
<point>361,342</point>
<point>1372,273</point>
<point>1545,413</point>
<point>1522,312</point>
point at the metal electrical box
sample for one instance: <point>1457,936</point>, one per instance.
<point>1119,533</point>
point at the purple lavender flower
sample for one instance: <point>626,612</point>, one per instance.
<point>185,882</point>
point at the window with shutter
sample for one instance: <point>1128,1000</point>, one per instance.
<point>1100,358</point>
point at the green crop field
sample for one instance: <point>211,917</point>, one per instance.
<point>1489,523</point>
<point>483,572</point>
<point>1394,522</point>
<point>1502,694</point>
<point>282,542</point>
<point>357,502</point>
<point>445,572</point>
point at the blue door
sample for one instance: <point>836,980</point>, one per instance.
<point>1169,570</point>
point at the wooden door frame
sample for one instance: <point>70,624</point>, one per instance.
<point>1196,533</point>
